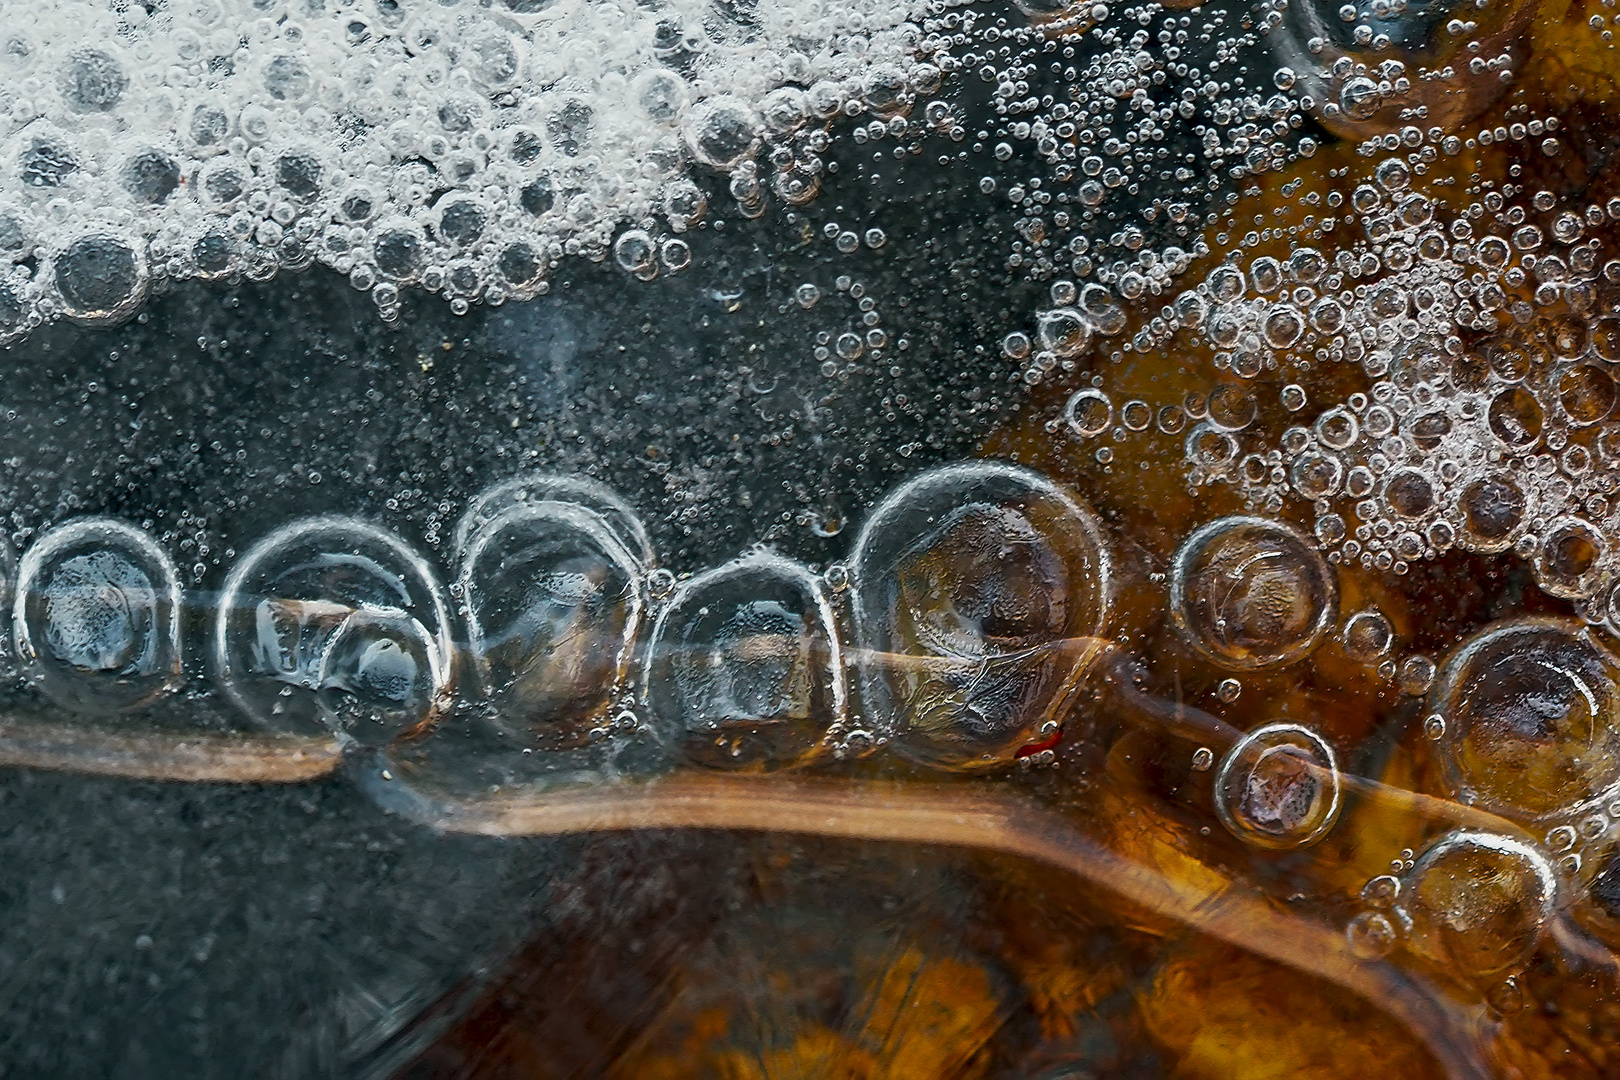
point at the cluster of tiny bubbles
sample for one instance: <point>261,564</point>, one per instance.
<point>859,338</point>
<point>1490,446</point>
<point>1474,904</point>
<point>460,148</point>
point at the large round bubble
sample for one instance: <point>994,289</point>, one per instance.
<point>332,624</point>
<point>1528,709</point>
<point>1479,903</point>
<point>1249,593</point>
<point>1278,788</point>
<point>980,592</point>
<point>96,618</point>
<point>744,666</point>
<point>553,593</point>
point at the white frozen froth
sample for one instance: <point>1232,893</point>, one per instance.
<point>432,143</point>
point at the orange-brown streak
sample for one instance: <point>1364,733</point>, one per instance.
<point>203,757</point>
<point>892,812</point>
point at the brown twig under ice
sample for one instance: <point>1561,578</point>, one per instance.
<point>210,757</point>
<point>925,815</point>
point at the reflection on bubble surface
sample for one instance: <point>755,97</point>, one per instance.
<point>1529,708</point>
<point>553,600</point>
<point>1479,903</point>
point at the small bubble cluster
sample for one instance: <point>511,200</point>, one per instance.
<point>457,148</point>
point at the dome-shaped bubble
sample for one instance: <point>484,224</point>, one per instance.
<point>1088,413</point>
<point>492,57</point>
<point>520,265</point>
<point>399,251</point>
<point>1492,508</point>
<point>1529,712</point>
<point>1283,326</point>
<point>636,254</point>
<point>1429,429</point>
<point>1478,904</point>
<point>46,160</point>
<point>101,278</point>
<point>1226,283</point>
<point>380,678</point>
<point>1231,407</point>
<point>1515,417</point>
<point>221,183</point>
<point>462,221</point>
<point>536,197</point>
<point>1587,394</point>
<point>358,204</point>
<point>785,110</point>
<point>662,95</point>
<point>1569,562</point>
<point>207,127</point>
<point>287,78</point>
<point>92,80</point>
<point>1278,788</point>
<point>1249,593</point>
<point>721,132</point>
<point>552,575</point>
<point>1368,635</point>
<point>980,594</point>
<point>1064,332</point>
<point>96,616</point>
<point>213,255</point>
<point>1409,492</point>
<point>684,204</point>
<point>1316,476</point>
<point>332,623</point>
<point>744,666</point>
<point>150,176</point>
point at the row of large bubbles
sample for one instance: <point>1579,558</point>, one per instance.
<point>960,635</point>
<point>978,596</point>
<point>457,147</point>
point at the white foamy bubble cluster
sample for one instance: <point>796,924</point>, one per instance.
<point>1504,442</point>
<point>457,147</point>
